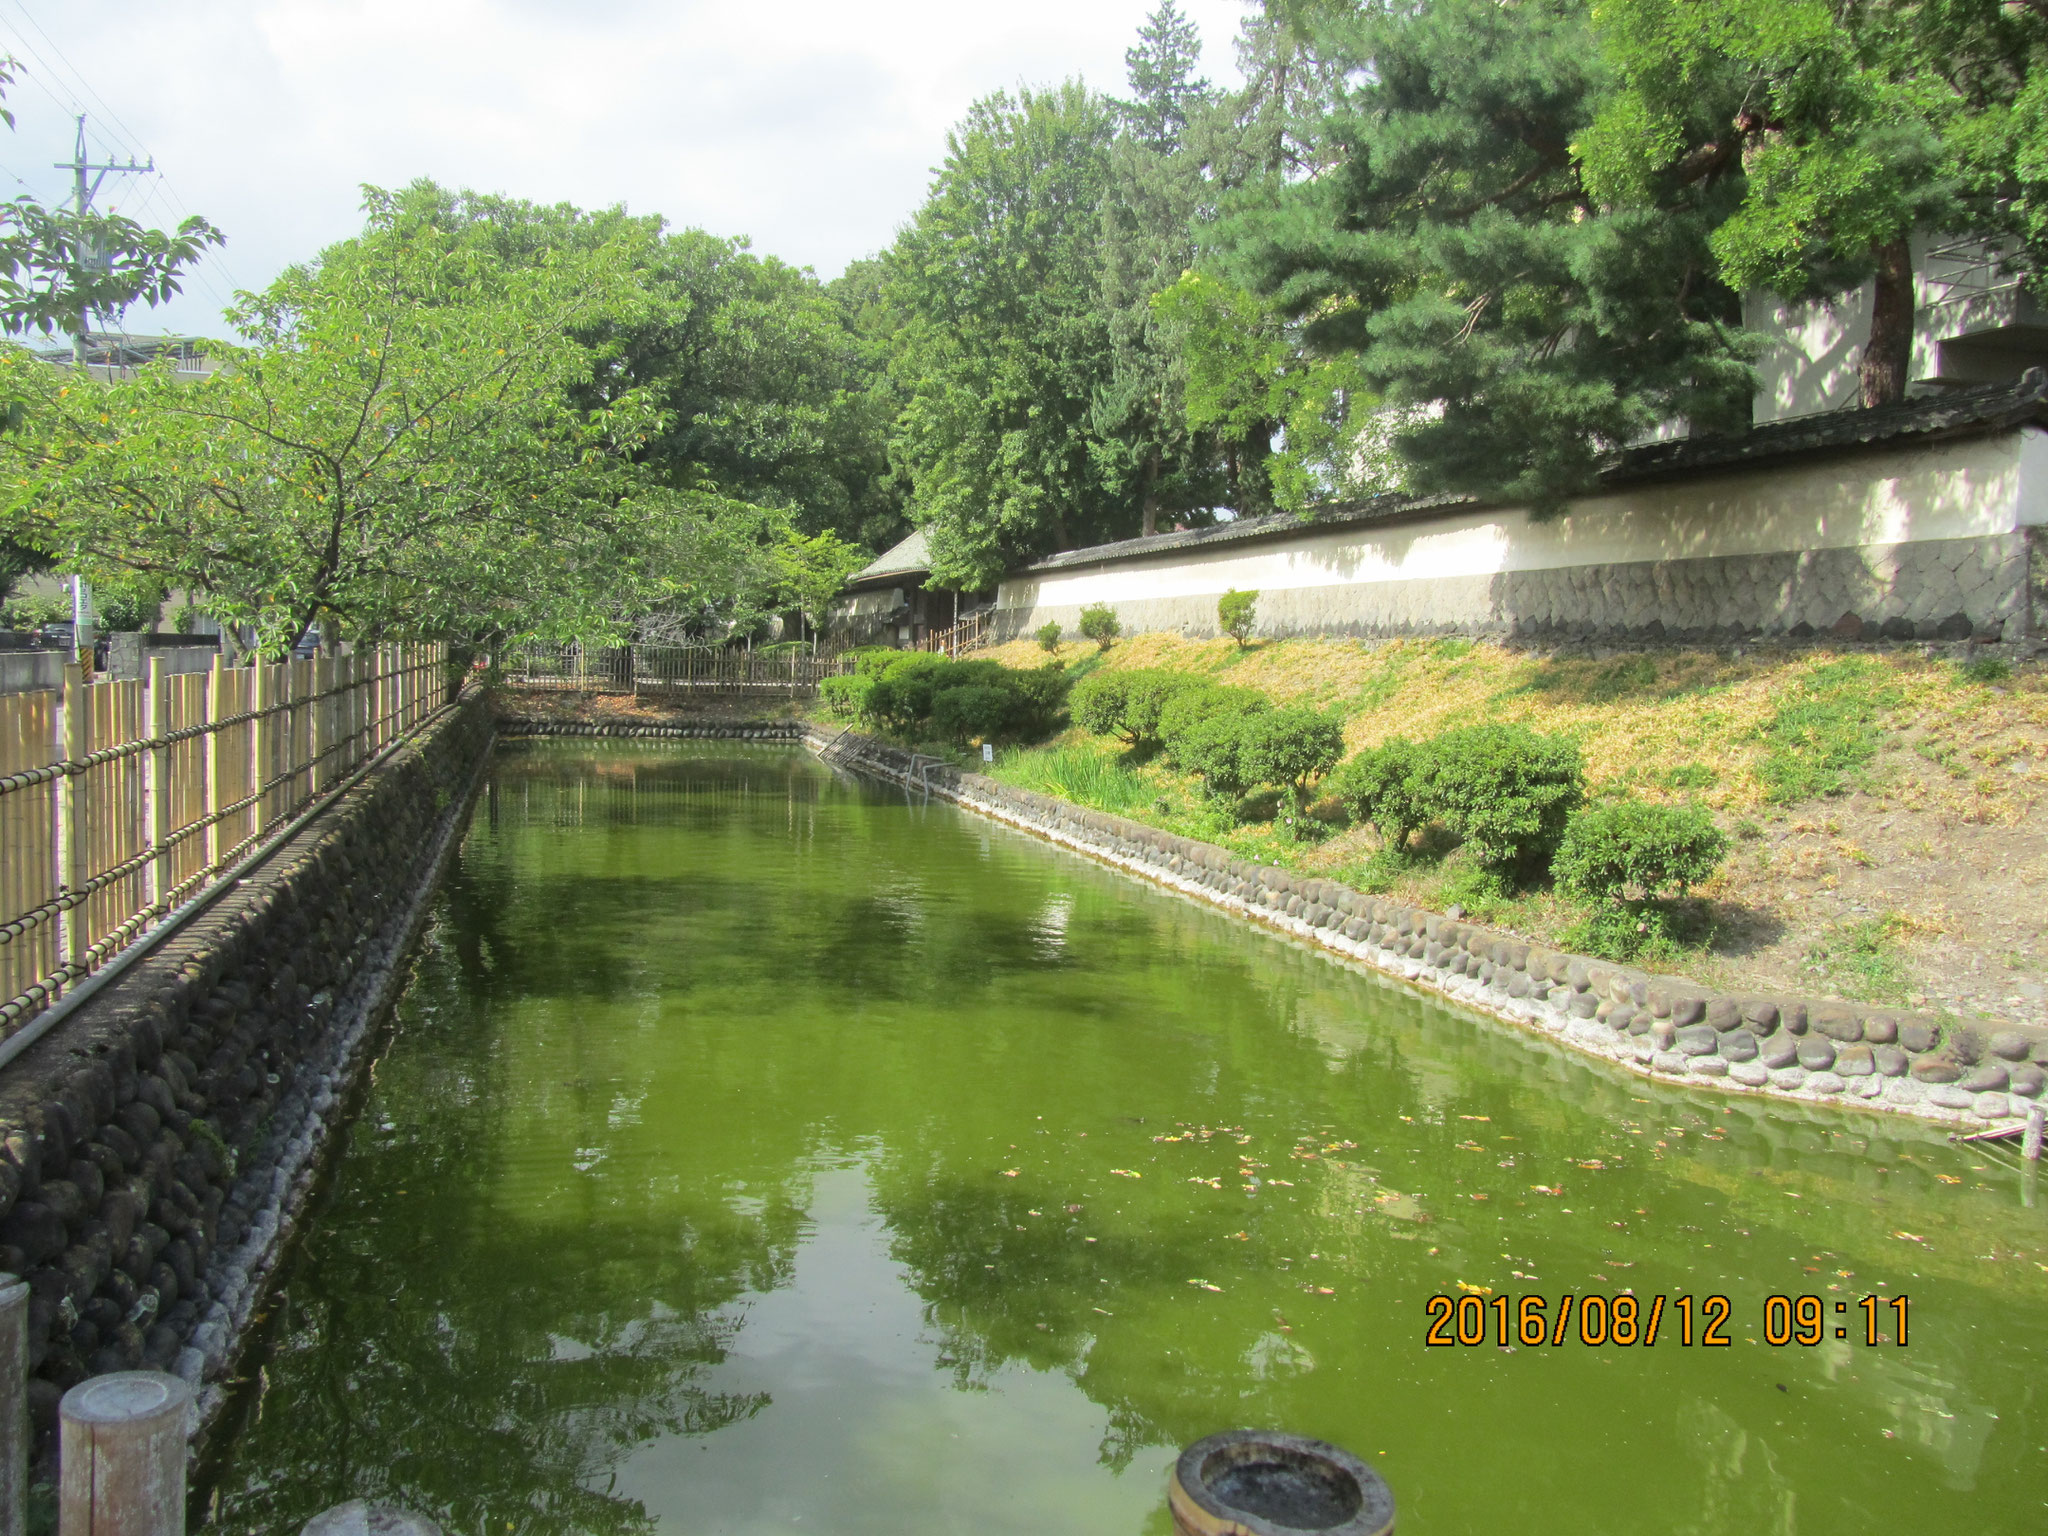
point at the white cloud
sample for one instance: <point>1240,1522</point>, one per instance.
<point>810,126</point>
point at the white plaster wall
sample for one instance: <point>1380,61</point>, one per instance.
<point>1964,490</point>
<point>2032,504</point>
<point>1813,352</point>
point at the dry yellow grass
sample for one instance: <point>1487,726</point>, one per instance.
<point>1671,723</point>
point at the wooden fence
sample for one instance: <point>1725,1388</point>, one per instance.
<point>673,669</point>
<point>120,800</point>
<point>969,634</point>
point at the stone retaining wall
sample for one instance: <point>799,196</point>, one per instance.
<point>1810,1049</point>
<point>157,1147</point>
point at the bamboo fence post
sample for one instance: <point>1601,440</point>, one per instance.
<point>122,1456</point>
<point>259,745</point>
<point>71,801</point>
<point>216,691</point>
<point>157,786</point>
<point>14,1425</point>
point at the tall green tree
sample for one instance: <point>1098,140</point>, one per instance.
<point>764,387</point>
<point>394,448</point>
<point>1006,345</point>
<point>1447,239</point>
<point>1834,121</point>
<point>1148,448</point>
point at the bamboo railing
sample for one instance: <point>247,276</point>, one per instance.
<point>120,800</point>
<point>675,669</point>
<point>969,634</point>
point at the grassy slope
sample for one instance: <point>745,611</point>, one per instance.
<point>1886,807</point>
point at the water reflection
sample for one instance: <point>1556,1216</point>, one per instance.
<point>760,1149</point>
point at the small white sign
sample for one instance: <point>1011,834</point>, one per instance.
<point>988,752</point>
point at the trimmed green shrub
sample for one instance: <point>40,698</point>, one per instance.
<point>1289,747</point>
<point>1048,636</point>
<point>1987,669</point>
<point>1099,623</point>
<point>1236,613</point>
<point>1039,697</point>
<point>874,660</point>
<point>973,711</point>
<point>1129,704</point>
<point>1627,849</point>
<point>905,698</point>
<point>1380,786</point>
<point>1504,790</point>
<point>1203,729</point>
<point>901,697</point>
<point>1195,707</point>
<point>846,696</point>
<point>1099,702</point>
<point>1212,748</point>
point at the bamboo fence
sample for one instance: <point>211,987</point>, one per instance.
<point>673,669</point>
<point>121,800</point>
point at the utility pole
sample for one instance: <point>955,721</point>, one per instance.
<point>80,166</point>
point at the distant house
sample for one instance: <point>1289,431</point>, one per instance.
<point>892,601</point>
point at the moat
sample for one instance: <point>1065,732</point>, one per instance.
<point>760,1148</point>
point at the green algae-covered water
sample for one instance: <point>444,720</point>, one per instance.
<point>762,1150</point>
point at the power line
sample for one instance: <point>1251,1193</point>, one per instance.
<point>128,140</point>
<point>134,144</point>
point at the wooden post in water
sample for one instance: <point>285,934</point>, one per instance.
<point>14,1428</point>
<point>358,1517</point>
<point>2037,1121</point>
<point>121,1456</point>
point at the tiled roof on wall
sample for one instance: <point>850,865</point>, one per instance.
<point>1952,414</point>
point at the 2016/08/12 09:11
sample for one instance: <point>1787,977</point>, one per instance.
<point>1626,1320</point>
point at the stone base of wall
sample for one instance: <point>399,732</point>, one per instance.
<point>1815,1050</point>
<point>158,1146</point>
<point>1952,589</point>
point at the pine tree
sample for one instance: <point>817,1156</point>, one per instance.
<point>1165,89</point>
<point>1448,240</point>
<point>1158,195</point>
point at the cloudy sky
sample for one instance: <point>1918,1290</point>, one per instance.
<point>809,125</point>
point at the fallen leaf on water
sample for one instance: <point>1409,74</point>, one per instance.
<point>1242,1237</point>
<point>1205,1285</point>
<point>1479,1197</point>
<point>1593,1163</point>
<point>1948,1178</point>
<point>1476,1117</point>
<point>1212,1183</point>
<point>1126,1173</point>
<point>1324,1290</point>
<point>1548,1189</point>
<point>1911,1237</point>
<point>1010,1173</point>
<point>1475,1290</point>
